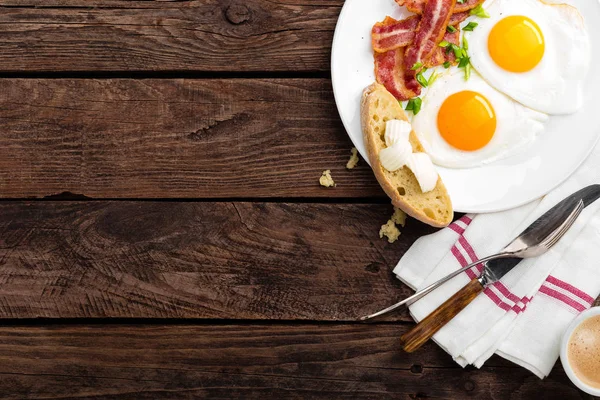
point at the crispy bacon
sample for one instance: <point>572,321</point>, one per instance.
<point>457,18</point>
<point>440,55</point>
<point>417,6</point>
<point>390,71</point>
<point>392,34</point>
<point>430,32</point>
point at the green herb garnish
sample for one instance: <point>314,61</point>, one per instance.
<point>417,65</point>
<point>463,62</point>
<point>480,12</point>
<point>421,79</point>
<point>432,78</point>
<point>458,52</point>
<point>470,26</point>
<point>414,105</point>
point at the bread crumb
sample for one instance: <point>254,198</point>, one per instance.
<point>326,180</point>
<point>399,217</point>
<point>390,231</point>
<point>353,161</point>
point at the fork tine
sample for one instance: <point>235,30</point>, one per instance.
<point>559,233</point>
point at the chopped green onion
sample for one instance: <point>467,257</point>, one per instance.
<point>451,29</point>
<point>417,65</point>
<point>470,26</point>
<point>467,71</point>
<point>458,52</point>
<point>465,44</point>
<point>447,64</point>
<point>463,62</point>
<point>432,78</point>
<point>421,79</point>
<point>414,105</point>
<point>444,43</point>
<point>417,105</point>
<point>480,12</point>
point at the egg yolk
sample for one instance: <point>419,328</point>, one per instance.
<point>467,121</point>
<point>516,44</point>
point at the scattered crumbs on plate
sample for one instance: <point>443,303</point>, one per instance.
<point>353,161</point>
<point>399,217</point>
<point>389,230</point>
<point>326,180</point>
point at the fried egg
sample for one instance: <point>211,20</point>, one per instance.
<point>464,124</point>
<point>536,52</point>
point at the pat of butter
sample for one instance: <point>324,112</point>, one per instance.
<point>399,153</point>
<point>424,170</point>
<point>397,131</point>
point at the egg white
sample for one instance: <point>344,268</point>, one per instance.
<point>555,85</point>
<point>517,125</point>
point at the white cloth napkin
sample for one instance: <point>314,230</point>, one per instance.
<point>522,317</point>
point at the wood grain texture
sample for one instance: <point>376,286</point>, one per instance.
<point>174,138</point>
<point>429,326</point>
<point>249,362</point>
<point>197,35</point>
<point>198,260</point>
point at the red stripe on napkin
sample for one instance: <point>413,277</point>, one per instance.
<point>497,299</point>
<point>507,293</point>
<point>570,288</point>
<point>563,298</point>
<point>460,225</point>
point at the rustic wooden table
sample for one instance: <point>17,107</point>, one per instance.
<point>163,234</point>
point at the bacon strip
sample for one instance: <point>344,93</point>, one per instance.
<point>417,6</point>
<point>457,18</point>
<point>390,71</point>
<point>430,32</point>
<point>392,34</point>
<point>440,55</point>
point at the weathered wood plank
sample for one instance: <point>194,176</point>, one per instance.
<point>174,139</point>
<point>197,260</point>
<point>249,362</point>
<point>197,35</point>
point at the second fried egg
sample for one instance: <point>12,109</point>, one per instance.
<point>536,52</point>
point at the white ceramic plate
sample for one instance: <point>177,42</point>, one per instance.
<point>501,185</point>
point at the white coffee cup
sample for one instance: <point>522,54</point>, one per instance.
<point>564,347</point>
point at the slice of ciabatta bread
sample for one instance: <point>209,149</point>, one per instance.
<point>433,208</point>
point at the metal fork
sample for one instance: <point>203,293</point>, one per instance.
<point>537,239</point>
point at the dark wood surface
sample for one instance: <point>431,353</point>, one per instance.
<point>223,361</point>
<point>175,138</point>
<point>194,35</point>
<point>250,261</point>
<point>162,231</point>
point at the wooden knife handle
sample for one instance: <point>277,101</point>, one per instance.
<point>416,337</point>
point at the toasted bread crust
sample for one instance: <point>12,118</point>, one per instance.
<point>433,208</point>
